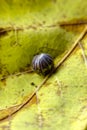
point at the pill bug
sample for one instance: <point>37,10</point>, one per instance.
<point>42,63</point>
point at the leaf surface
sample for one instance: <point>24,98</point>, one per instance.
<point>29,28</point>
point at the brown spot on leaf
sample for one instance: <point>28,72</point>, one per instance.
<point>3,32</point>
<point>4,82</point>
<point>32,83</point>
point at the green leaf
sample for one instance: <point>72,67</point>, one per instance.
<point>31,101</point>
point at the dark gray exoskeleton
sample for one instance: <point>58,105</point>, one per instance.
<point>42,63</point>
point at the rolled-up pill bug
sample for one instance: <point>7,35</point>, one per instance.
<point>42,63</point>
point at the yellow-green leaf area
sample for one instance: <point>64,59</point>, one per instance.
<point>61,101</point>
<point>31,27</point>
<point>18,49</point>
<point>40,12</point>
<point>14,91</point>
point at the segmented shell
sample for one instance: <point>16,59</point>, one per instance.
<point>42,63</point>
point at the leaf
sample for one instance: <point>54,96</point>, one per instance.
<point>28,100</point>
